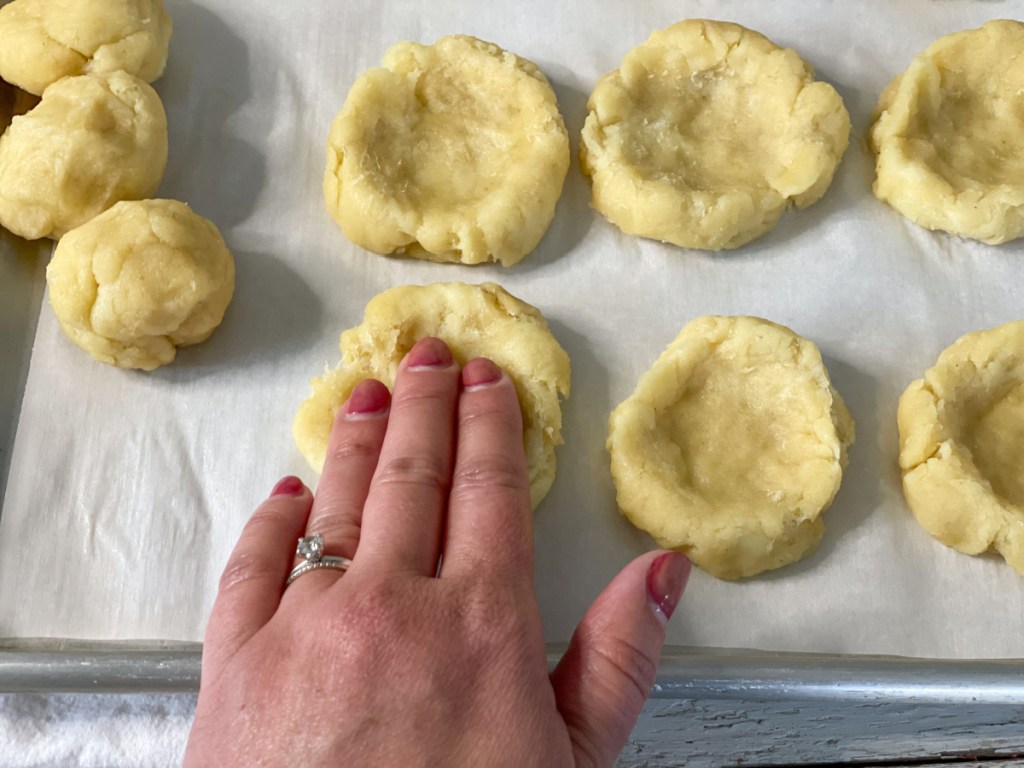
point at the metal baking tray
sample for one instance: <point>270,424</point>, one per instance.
<point>981,703</point>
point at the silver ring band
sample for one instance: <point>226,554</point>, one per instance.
<point>311,550</point>
<point>326,561</point>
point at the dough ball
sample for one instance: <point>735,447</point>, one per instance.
<point>949,135</point>
<point>475,321</point>
<point>732,446</point>
<point>92,141</point>
<point>42,41</point>
<point>706,133</point>
<point>450,152</point>
<point>961,439</point>
<point>14,102</point>
<point>140,280</point>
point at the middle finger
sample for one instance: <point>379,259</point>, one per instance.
<point>403,516</point>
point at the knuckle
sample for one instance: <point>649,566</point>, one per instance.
<point>437,397</point>
<point>246,567</point>
<point>428,472</point>
<point>632,663</point>
<point>487,471</point>
<point>349,447</point>
<point>340,529</point>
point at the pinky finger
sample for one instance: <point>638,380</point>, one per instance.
<point>253,580</point>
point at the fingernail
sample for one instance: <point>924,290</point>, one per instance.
<point>289,486</point>
<point>369,398</point>
<point>480,373</point>
<point>666,580</point>
<point>429,353</point>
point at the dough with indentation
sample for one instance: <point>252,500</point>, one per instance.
<point>92,141</point>
<point>949,135</point>
<point>450,152</point>
<point>42,41</point>
<point>475,321</point>
<point>706,133</point>
<point>961,442</point>
<point>139,281</point>
<point>732,446</point>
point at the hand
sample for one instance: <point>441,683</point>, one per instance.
<point>397,662</point>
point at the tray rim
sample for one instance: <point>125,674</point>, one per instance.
<point>61,665</point>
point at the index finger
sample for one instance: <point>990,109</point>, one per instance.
<point>490,523</point>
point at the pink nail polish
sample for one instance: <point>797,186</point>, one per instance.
<point>289,486</point>
<point>666,580</point>
<point>478,373</point>
<point>369,397</point>
<point>429,353</point>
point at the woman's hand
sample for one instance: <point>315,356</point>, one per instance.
<point>400,662</point>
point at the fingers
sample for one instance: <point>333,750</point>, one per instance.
<point>606,674</point>
<point>403,516</point>
<point>489,513</point>
<point>253,579</point>
<point>352,455</point>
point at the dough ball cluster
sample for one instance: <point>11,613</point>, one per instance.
<point>42,41</point>
<point>93,140</point>
<point>949,135</point>
<point>475,321</point>
<point>140,280</point>
<point>732,446</point>
<point>706,133</point>
<point>450,152</point>
<point>961,432</point>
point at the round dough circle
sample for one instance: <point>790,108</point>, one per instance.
<point>42,41</point>
<point>949,135</point>
<point>449,152</point>
<point>475,321</point>
<point>706,133</point>
<point>140,280</point>
<point>732,446</point>
<point>961,431</point>
<point>92,141</point>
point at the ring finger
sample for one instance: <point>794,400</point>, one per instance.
<point>352,454</point>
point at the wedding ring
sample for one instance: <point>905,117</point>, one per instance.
<point>311,549</point>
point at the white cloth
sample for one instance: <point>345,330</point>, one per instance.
<point>94,730</point>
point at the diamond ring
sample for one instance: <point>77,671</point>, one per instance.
<point>311,549</point>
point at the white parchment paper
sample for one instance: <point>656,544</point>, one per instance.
<point>127,490</point>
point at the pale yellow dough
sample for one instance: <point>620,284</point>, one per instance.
<point>961,443</point>
<point>949,135</point>
<point>92,141</point>
<point>706,133</point>
<point>42,41</point>
<point>140,280</point>
<point>732,446</point>
<point>450,152</point>
<point>475,321</point>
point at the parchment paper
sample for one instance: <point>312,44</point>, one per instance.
<point>127,490</point>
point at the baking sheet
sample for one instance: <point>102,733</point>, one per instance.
<point>127,490</point>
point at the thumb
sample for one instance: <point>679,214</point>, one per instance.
<point>605,676</point>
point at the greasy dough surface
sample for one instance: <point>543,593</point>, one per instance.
<point>42,41</point>
<point>140,280</point>
<point>949,135</point>
<point>450,152</point>
<point>731,446</point>
<point>475,321</point>
<point>92,141</point>
<point>706,133</point>
<point>961,432</point>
